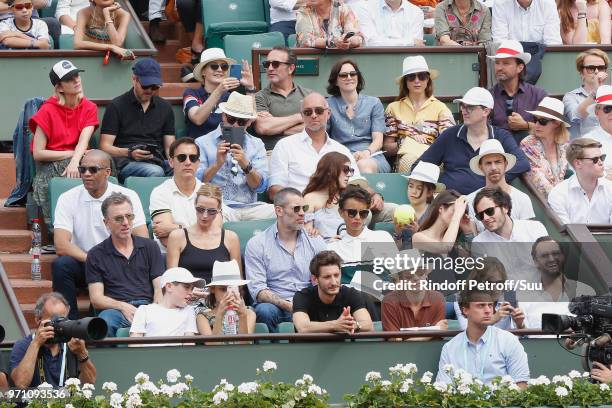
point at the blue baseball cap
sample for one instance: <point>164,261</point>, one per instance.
<point>148,72</point>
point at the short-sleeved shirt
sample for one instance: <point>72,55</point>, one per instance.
<point>527,98</point>
<point>156,320</point>
<point>81,214</point>
<point>397,314</point>
<point>478,20</point>
<point>38,28</point>
<point>125,279</point>
<point>308,301</point>
<point>125,119</point>
<point>580,126</point>
<point>356,132</point>
<point>279,105</point>
<point>192,98</point>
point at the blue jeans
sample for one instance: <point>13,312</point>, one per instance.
<point>285,27</point>
<point>116,320</point>
<point>68,274</point>
<point>144,169</point>
<point>271,315</point>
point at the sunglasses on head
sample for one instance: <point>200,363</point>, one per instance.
<point>345,75</point>
<point>348,170</point>
<point>542,121</point>
<point>231,120</point>
<point>275,64</point>
<point>119,218</point>
<point>192,157</point>
<point>595,159</point>
<point>210,211</point>
<point>297,208</point>
<point>352,213</point>
<point>215,66</point>
<point>90,169</point>
<point>592,68</point>
<point>423,76</point>
<point>22,6</point>
<point>318,111</point>
<point>488,211</point>
<point>607,109</point>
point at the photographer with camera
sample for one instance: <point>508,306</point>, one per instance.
<point>36,358</point>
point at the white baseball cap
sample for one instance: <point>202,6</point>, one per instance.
<point>477,96</point>
<point>63,71</point>
<point>180,275</point>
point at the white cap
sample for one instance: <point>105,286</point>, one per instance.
<point>491,146</point>
<point>477,97</point>
<point>180,275</point>
<point>62,71</point>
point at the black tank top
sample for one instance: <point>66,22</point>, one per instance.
<point>200,261</point>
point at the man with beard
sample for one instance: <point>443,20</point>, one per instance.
<point>329,307</point>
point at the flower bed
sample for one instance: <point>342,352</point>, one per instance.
<point>403,388</point>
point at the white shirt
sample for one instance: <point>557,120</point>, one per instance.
<point>572,205</point>
<point>382,26</point>
<point>522,209</point>
<point>156,320</point>
<point>38,29</point>
<point>538,23</point>
<point>349,248</point>
<point>282,10</point>
<point>80,214</point>
<point>69,8</point>
<point>605,139</point>
<point>294,160</point>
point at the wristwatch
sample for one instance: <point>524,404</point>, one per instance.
<point>248,168</point>
<point>357,326</point>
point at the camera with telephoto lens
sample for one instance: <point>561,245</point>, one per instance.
<point>592,326</point>
<point>89,328</point>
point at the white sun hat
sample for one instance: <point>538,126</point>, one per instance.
<point>227,274</point>
<point>239,106</point>
<point>511,49</point>
<point>415,64</point>
<point>210,55</point>
<point>428,173</point>
<point>491,146</point>
<point>550,108</point>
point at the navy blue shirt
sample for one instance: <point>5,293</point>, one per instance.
<point>197,97</point>
<point>125,279</point>
<point>452,149</point>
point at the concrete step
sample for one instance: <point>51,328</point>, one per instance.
<point>17,266</point>
<point>15,241</point>
<point>176,89</point>
<point>171,72</point>
<point>167,51</point>
<point>28,309</point>
<point>7,169</point>
<point>27,290</point>
<point>13,217</point>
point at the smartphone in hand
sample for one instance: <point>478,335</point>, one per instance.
<point>236,71</point>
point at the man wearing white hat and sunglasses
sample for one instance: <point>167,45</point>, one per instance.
<point>457,145</point>
<point>603,133</point>
<point>236,161</point>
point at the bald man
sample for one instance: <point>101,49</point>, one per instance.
<point>79,225</point>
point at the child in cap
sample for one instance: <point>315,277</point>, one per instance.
<point>22,31</point>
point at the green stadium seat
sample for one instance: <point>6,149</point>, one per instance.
<point>143,186</point>
<point>59,185</point>
<point>261,328</point>
<point>385,226</point>
<point>48,11</point>
<point>392,186</point>
<point>378,327</point>
<point>292,41</point>
<point>123,332</point>
<point>235,17</point>
<point>66,42</point>
<point>453,324</point>
<point>430,39</point>
<point>286,327</point>
<point>247,229</point>
<point>239,47</point>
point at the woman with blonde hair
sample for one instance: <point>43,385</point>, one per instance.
<point>319,24</point>
<point>545,148</point>
<point>584,22</point>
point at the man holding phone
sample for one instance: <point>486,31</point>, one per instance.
<point>236,161</point>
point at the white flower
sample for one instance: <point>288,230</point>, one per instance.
<point>464,389</point>
<point>303,394</point>
<point>134,389</point>
<point>396,368</point>
<point>141,377</point>
<point>307,379</point>
<point>220,397</point>
<point>440,386</point>
<point>410,368</point>
<point>189,378</point>
<point>45,385</point>
<point>372,376</point>
<point>586,374</point>
<point>68,406</point>
<point>88,386</point>
<point>604,387</point>
<point>109,386</point>
<point>269,366</point>
<point>385,383</point>
<point>167,390</point>
<point>87,393</point>
<point>463,376</point>
<point>299,383</point>
<point>427,377</point>
<point>73,382</point>
<point>180,388</point>
<point>406,385</point>
<point>248,387</point>
<point>133,401</point>
<point>115,400</point>
<point>314,389</point>
<point>561,392</point>
<point>574,374</point>
<point>149,386</point>
<point>448,368</point>
<point>173,375</point>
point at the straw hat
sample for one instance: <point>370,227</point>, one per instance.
<point>226,274</point>
<point>239,106</point>
<point>550,108</point>
<point>415,64</point>
<point>210,55</point>
<point>511,49</point>
<point>428,173</point>
<point>491,146</point>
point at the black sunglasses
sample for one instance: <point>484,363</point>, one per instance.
<point>275,64</point>
<point>595,159</point>
<point>542,121</point>
<point>215,66</point>
<point>91,169</point>
<point>210,211</point>
<point>607,109</point>
<point>488,211</point>
<point>231,120</point>
<point>352,213</point>
<point>592,68</point>
<point>345,75</point>
<point>192,157</point>
<point>423,76</point>
<point>150,87</point>
<point>318,110</point>
<point>348,170</point>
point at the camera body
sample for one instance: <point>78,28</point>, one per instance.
<point>89,328</point>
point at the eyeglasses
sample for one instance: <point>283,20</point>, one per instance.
<point>231,120</point>
<point>275,64</point>
<point>318,110</point>
<point>607,109</point>
<point>488,211</point>
<point>352,213</point>
<point>90,169</point>
<point>210,211</point>
<point>22,6</point>
<point>423,76</point>
<point>119,218</point>
<point>595,159</point>
<point>348,170</point>
<point>297,208</point>
<point>468,108</point>
<point>542,121</point>
<point>215,66</point>
<point>345,75</point>
<point>192,157</point>
<point>592,68</point>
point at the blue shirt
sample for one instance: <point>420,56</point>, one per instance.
<point>269,265</point>
<point>197,97</point>
<point>236,190</point>
<point>580,126</point>
<point>497,353</point>
<point>452,149</point>
<point>355,133</point>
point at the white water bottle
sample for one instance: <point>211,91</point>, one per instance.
<point>36,274</point>
<point>230,320</point>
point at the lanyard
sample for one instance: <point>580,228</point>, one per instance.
<point>481,356</point>
<point>41,367</point>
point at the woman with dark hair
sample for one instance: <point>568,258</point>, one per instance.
<point>416,118</point>
<point>322,192</point>
<point>357,120</point>
<point>584,22</point>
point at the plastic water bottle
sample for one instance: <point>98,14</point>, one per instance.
<point>230,320</point>
<point>36,238</point>
<point>36,274</point>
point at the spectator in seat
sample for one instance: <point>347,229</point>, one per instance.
<point>416,118</point>
<point>22,31</point>
<point>357,120</point>
<point>279,103</point>
<point>277,260</point>
<point>312,31</point>
<point>103,26</point>
<point>456,146</point>
<point>66,13</point>
<point>34,361</point>
<point>513,97</point>
<point>585,197</point>
<point>526,20</point>
<point>53,26</point>
<point>328,306</point>
<point>172,316</point>
<point>123,271</point>
<point>240,169</point>
<point>62,128</point>
<point>79,225</point>
<point>603,133</point>
<point>545,147</point>
<point>573,15</point>
<point>462,22</point>
<point>396,23</point>
<point>201,105</point>
<point>592,65</point>
<point>283,15</point>
<point>138,126</point>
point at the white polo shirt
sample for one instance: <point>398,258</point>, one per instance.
<point>537,23</point>
<point>572,205</point>
<point>522,209</point>
<point>294,160</point>
<point>80,214</point>
<point>349,248</point>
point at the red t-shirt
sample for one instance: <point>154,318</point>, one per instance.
<point>63,125</point>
